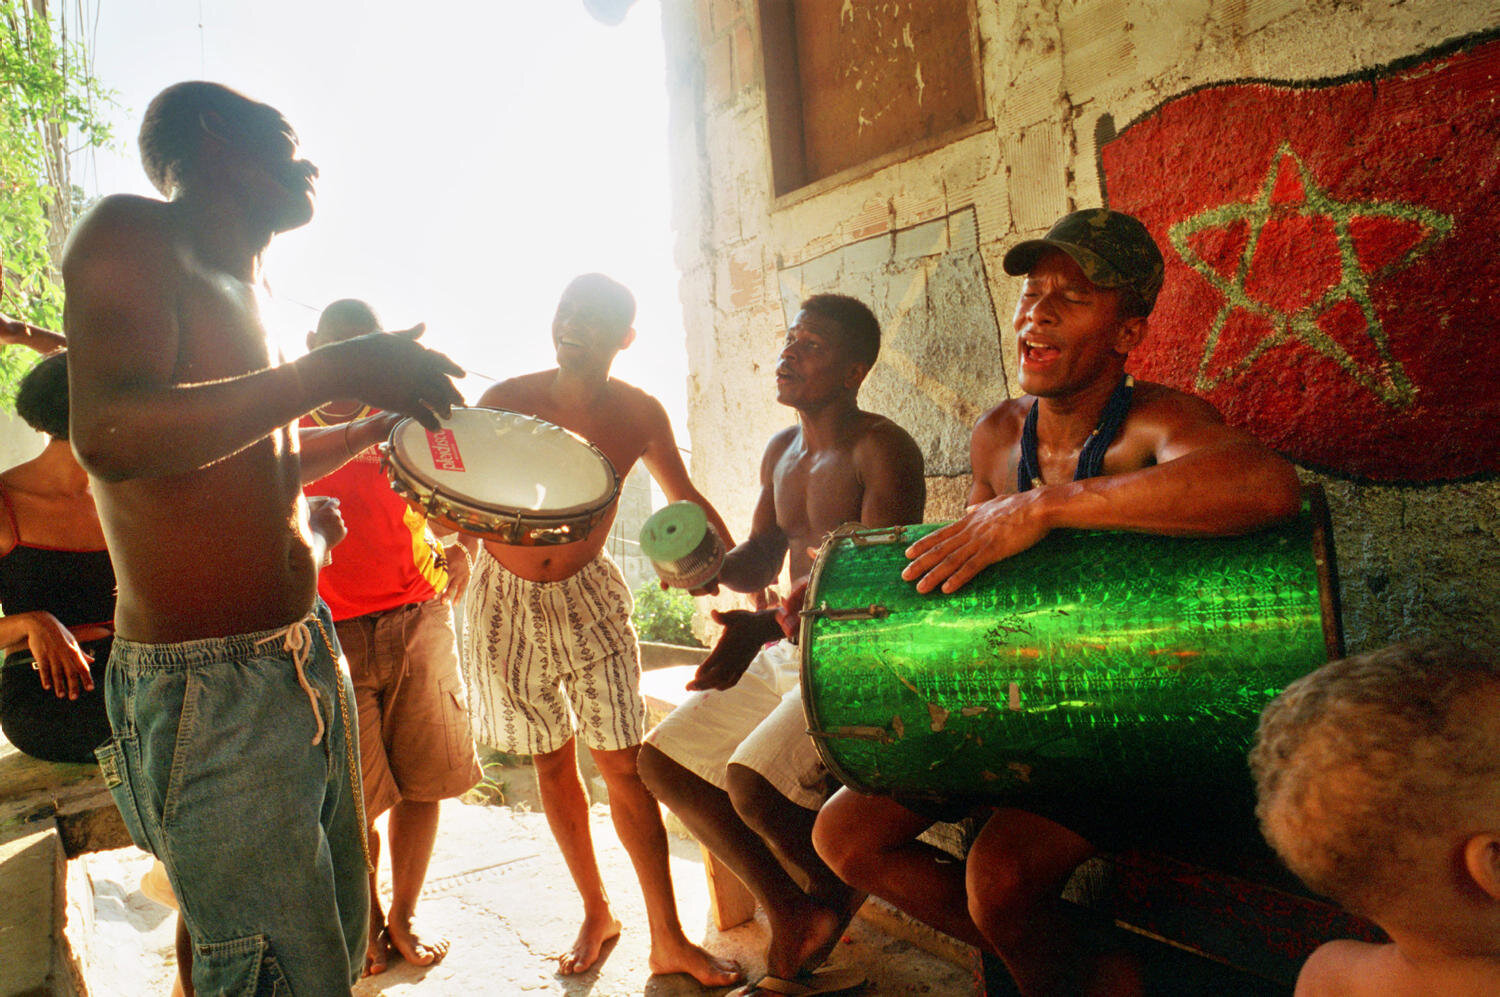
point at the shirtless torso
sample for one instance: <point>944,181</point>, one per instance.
<point>184,418</point>
<point>187,422</point>
<point>869,471</point>
<point>192,321</point>
<point>1359,969</point>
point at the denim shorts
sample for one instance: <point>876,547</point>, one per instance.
<point>213,767</point>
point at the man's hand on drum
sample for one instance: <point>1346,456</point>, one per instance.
<point>744,635</point>
<point>390,371</point>
<point>60,663</point>
<point>990,531</point>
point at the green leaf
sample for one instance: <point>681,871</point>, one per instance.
<point>664,616</point>
<point>50,106</point>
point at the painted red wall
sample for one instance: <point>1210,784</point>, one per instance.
<point>1333,271</point>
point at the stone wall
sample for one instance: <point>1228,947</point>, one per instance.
<point>1068,89</point>
<point>624,535</point>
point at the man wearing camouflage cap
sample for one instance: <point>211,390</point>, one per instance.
<point>1087,447</point>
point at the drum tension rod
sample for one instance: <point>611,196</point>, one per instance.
<point>874,611</point>
<point>886,535</point>
<point>856,732</point>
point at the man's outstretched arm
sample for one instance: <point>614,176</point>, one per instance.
<point>664,461</point>
<point>130,420</point>
<point>755,562</point>
<point>1208,480</point>
<point>17,332</point>
<point>325,449</point>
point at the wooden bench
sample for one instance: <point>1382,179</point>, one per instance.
<point>1226,921</point>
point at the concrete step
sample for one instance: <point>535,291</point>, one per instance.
<point>42,948</point>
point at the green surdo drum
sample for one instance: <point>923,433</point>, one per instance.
<point>1093,663</point>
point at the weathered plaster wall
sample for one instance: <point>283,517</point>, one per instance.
<point>18,441</point>
<point>921,240</point>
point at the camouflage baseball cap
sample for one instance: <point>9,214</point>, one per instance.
<point>1113,248</point>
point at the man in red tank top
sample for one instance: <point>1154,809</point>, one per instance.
<point>390,587</point>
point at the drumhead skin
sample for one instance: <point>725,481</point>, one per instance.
<point>683,545</point>
<point>1090,664</point>
<point>502,475</point>
<point>674,531</point>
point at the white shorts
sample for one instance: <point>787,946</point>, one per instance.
<point>539,654</point>
<point>758,723</point>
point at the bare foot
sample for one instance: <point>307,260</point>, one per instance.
<point>377,953</point>
<point>413,947</point>
<point>678,955</point>
<point>802,937</point>
<point>591,938</point>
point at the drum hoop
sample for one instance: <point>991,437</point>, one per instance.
<point>568,514</point>
<point>1322,552</point>
<point>804,646</point>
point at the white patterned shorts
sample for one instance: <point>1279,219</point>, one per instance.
<point>547,660</point>
<point>758,722</point>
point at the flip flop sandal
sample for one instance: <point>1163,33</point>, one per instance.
<point>828,980</point>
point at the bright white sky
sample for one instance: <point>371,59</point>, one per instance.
<point>476,155</point>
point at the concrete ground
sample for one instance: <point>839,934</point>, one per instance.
<point>499,889</point>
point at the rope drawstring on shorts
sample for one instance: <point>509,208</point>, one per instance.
<point>299,643</point>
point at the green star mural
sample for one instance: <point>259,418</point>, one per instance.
<point>1292,201</point>
<point>1331,277</point>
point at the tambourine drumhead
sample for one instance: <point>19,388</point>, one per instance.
<point>497,469</point>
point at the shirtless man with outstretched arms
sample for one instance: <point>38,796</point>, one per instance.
<point>1087,448</point>
<point>734,761</point>
<point>231,759</point>
<point>550,654</point>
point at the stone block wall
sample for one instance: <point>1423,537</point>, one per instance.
<point>1065,85</point>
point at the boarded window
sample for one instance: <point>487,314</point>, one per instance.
<point>849,82</point>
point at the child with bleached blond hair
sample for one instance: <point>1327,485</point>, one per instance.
<point>1379,785</point>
